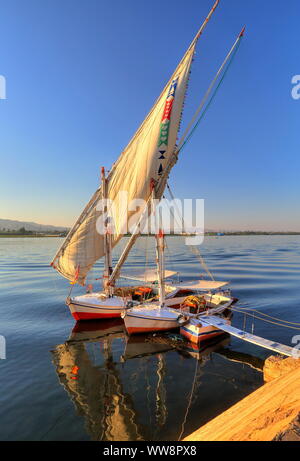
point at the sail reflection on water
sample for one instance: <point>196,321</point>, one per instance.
<point>94,385</point>
<point>124,387</point>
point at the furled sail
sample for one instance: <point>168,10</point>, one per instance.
<point>146,160</point>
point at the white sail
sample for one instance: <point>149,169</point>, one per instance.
<point>146,160</point>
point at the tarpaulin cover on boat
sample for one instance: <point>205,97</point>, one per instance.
<point>148,276</point>
<point>202,285</point>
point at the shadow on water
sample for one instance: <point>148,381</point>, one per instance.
<point>153,387</point>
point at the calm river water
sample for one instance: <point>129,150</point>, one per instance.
<point>89,382</point>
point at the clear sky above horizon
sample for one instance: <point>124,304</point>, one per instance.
<point>82,75</point>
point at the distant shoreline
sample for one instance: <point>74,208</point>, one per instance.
<point>207,234</point>
<point>226,234</point>
<point>246,233</point>
<point>29,235</point>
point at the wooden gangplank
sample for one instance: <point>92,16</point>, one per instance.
<point>238,333</point>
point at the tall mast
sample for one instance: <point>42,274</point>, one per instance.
<point>83,247</point>
<point>136,233</point>
<point>160,247</point>
<point>107,239</point>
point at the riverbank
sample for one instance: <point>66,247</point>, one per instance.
<point>207,234</point>
<point>269,413</point>
<point>29,235</point>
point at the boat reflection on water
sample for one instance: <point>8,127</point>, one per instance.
<point>124,387</point>
<point>143,345</point>
<point>90,376</point>
<point>90,331</point>
<point>203,350</point>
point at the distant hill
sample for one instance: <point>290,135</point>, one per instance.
<point>11,225</point>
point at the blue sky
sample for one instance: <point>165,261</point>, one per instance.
<point>81,76</point>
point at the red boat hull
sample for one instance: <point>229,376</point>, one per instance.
<point>94,316</point>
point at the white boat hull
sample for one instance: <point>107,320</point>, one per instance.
<point>150,319</point>
<point>196,331</point>
<point>94,306</point>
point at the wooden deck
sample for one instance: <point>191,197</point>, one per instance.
<point>261,416</point>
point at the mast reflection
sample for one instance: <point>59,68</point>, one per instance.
<point>122,386</point>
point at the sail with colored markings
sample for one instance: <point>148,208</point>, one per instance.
<point>145,161</point>
<point>140,173</point>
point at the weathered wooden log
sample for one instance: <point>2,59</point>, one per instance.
<point>260,416</point>
<point>276,366</point>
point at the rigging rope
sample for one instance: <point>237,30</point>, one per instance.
<point>281,323</point>
<point>266,315</point>
<point>192,248</point>
<point>211,98</point>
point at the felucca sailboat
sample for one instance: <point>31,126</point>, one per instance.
<point>141,172</point>
<point>159,316</point>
